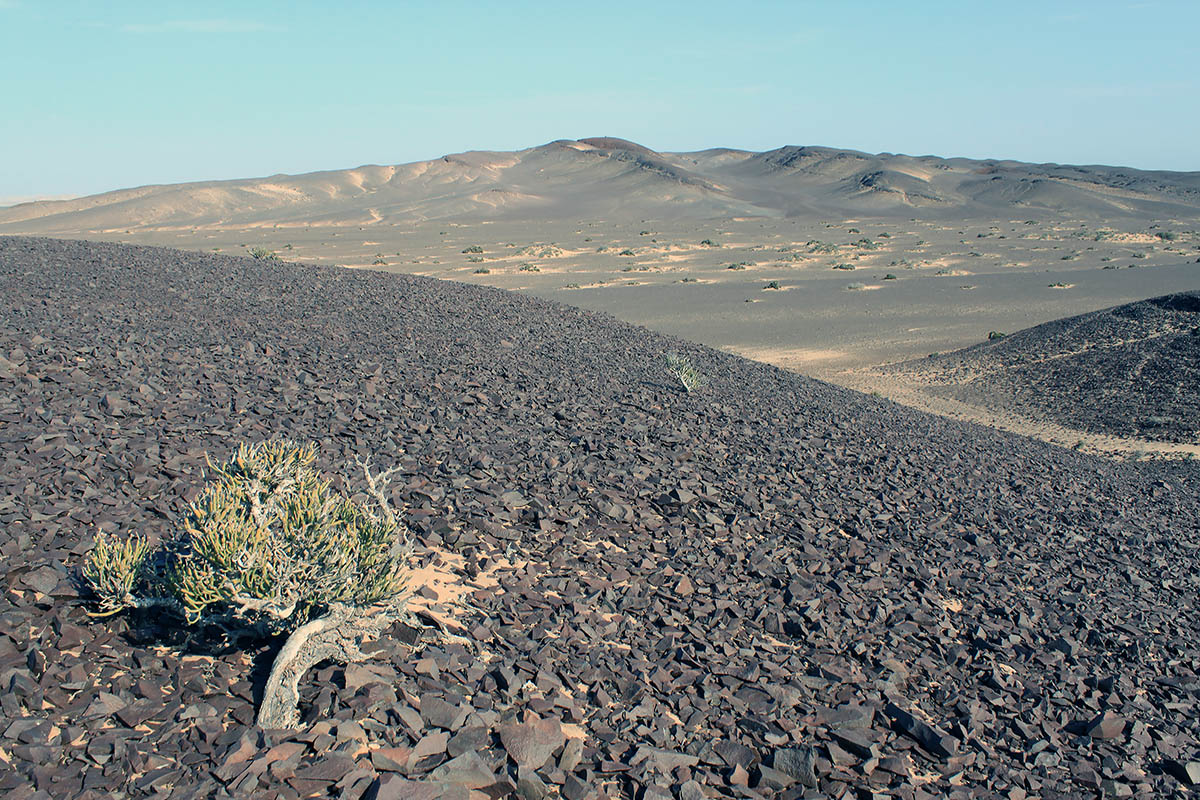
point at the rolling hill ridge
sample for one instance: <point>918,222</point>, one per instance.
<point>606,177</point>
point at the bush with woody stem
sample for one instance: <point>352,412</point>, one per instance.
<point>268,548</point>
<point>683,370</point>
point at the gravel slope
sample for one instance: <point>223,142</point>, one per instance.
<point>1132,370</point>
<point>736,593</point>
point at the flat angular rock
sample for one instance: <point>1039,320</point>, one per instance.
<point>736,754</point>
<point>530,744</point>
<point>1108,725</point>
<point>393,787</point>
<point>933,741</point>
<point>467,770</point>
<point>529,785</point>
<point>798,762</point>
<point>1186,772</point>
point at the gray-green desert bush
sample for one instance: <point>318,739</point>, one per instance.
<point>688,376</point>
<point>269,548</point>
<point>263,254</point>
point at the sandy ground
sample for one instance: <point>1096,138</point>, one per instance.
<point>827,298</point>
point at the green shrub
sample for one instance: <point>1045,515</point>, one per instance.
<point>889,277</point>
<point>708,243</point>
<point>476,249</point>
<point>267,548</point>
<point>772,285</point>
<point>995,336</point>
<point>626,252</point>
<point>263,254</point>
<point>687,375</point>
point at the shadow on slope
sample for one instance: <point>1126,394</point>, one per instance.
<point>1131,371</point>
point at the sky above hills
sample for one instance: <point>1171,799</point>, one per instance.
<point>102,96</point>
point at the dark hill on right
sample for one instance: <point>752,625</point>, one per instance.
<point>1130,371</point>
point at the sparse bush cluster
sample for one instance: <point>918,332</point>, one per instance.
<point>263,254</point>
<point>473,250</point>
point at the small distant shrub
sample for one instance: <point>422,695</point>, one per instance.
<point>853,230</point>
<point>995,336</point>
<point>867,244</point>
<point>843,265</point>
<point>473,249</point>
<point>643,233</point>
<point>1167,236</point>
<point>856,286</point>
<point>688,279</point>
<point>626,252</point>
<point>541,251</point>
<point>889,277</point>
<point>263,254</point>
<point>687,375</point>
<point>738,265</point>
<point>379,262</point>
<point>482,271</point>
<point>772,285</point>
<point>474,259</point>
<point>527,267</point>
<point>709,243</point>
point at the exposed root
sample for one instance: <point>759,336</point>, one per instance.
<point>338,635</point>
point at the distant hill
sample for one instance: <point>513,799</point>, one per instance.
<point>609,177</point>
<point>1132,370</point>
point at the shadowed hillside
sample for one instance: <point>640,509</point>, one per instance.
<point>769,588</point>
<point>1133,370</point>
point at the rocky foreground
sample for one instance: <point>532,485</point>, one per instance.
<point>771,588</point>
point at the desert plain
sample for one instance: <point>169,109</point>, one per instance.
<point>827,262</point>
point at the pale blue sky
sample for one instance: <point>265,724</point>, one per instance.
<point>104,95</point>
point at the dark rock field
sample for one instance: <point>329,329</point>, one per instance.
<point>1133,370</point>
<point>770,588</point>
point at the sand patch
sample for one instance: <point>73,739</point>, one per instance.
<point>443,577</point>
<point>789,357</point>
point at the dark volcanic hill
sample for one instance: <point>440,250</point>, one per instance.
<point>773,588</point>
<point>611,178</point>
<point>1133,370</point>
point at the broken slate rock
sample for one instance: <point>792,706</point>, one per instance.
<point>530,744</point>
